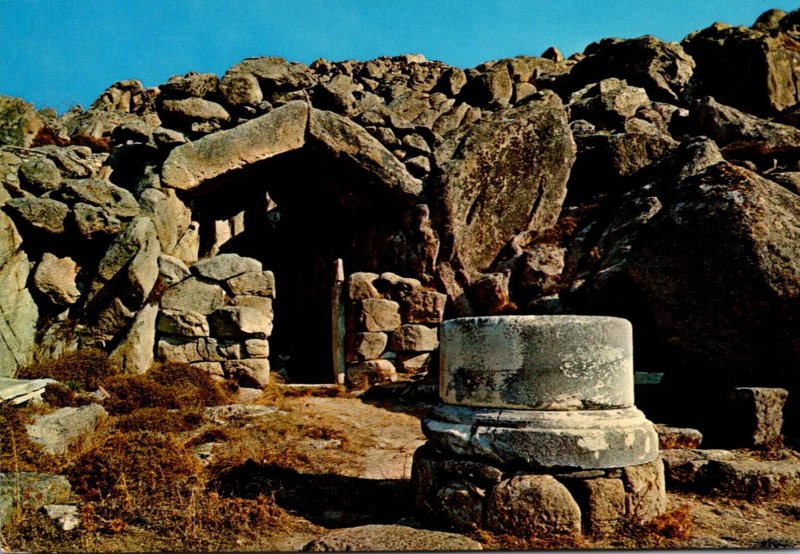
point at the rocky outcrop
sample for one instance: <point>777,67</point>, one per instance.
<point>679,212</point>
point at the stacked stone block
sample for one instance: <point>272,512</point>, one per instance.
<point>219,317</point>
<point>392,327</point>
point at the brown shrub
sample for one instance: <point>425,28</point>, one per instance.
<point>159,419</point>
<point>101,144</point>
<point>80,370</point>
<point>131,392</point>
<point>675,524</point>
<point>137,463</point>
<point>176,386</point>
<point>47,136</point>
<point>190,386</point>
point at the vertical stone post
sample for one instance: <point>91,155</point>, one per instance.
<point>338,323</point>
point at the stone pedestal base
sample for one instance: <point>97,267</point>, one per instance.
<point>577,439</point>
<point>463,492</point>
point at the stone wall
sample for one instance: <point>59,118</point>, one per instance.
<point>218,315</point>
<point>392,328</point>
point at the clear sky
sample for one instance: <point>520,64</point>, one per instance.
<point>57,53</point>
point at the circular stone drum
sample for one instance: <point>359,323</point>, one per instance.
<point>537,362</point>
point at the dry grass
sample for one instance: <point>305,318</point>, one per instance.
<point>18,452</point>
<point>79,370</point>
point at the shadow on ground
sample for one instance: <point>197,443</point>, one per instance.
<point>324,499</point>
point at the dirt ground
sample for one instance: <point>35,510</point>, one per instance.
<point>338,462</point>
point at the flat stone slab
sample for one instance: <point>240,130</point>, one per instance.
<point>537,362</point>
<point>753,478</point>
<point>57,431</point>
<point>585,439</point>
<point>19,391</point>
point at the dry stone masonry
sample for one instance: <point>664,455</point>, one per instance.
<point>537,432</point>
<point>648,180</point>
<point>392,328</point>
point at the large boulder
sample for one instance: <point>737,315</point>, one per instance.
<point>754,69</point>
<point>505,174</point>
<point>718,271</point>
<point>279,131</point>
<point>663,69</point>
<point>18,311</point>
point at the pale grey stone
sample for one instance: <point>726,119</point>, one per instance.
<point>753,478</point>
<point>582,439</point>
<point>134,353</point>
<point>230,412</point>
<point>532,505</point>
<point>203,349</point>
<point>256,348</point>
<point>34,490</point>
<point>96,192</point>
<point>260,303</point>
<point>39,175</point>
<point>225,266</point>
<point>282,130</point>
<point>412,362</point>
<point>172,269</point>
<point>182,323</point>
<point>684,468</point>
<point>240,322</point>
<point>42,214</point>
<point>757,414</point>
<point>193,295</point>
<point>169,214</point>
<point>65,516</point>
<point>539,362</point>
<point>602,503</point>
<point>19,391</point>
<point>253,283</point>
<point>58,431</point>
<point>93,222</point>
<point>214,369</point>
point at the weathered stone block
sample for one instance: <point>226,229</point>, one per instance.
<point>193,295</point>
<point>753,478</point>
<point>532,505</point>
<point>423,306</point>
<point>646,495</point>
<point>372,372</point>
<point>256,348</point>
<point>461,504</point>
<point>757,416</point>
<point>172,269</point>
<point>225,266</point>
<point>58,431</point>
<point>602,503</point>
<point>365,346</point>
<point>678,437</point>
<point>684,468</point>
<point>378,314</point>
<point>361,285</point>
<point>414,338</point>
<point>260,303</point>
<point>257,283</point>
<point>182,323</point>
<point>249,372</point>
<point>412,363</point>
<point>212,368</point>
<point>240,322</point>
<point>134,353</point>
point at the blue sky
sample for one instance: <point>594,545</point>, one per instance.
<point>58,53</point>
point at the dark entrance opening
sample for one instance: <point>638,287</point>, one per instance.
<point>301,211</point>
